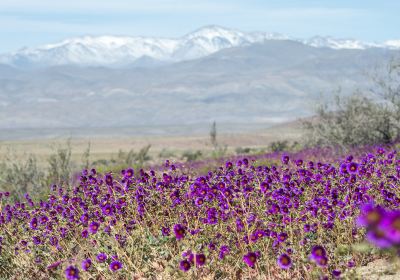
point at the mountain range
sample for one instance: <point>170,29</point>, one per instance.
<point>114,51</point>
<point>211,74</point>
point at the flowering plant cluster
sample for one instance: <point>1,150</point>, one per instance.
<point>240,220</point>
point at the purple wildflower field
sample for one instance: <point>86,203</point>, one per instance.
<point>275,216</point>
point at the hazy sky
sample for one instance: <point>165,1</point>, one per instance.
<point>36,22</point>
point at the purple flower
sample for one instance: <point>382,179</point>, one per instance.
<point>84,218</point>
<point>33,224</point>
<point>115,265</point>
<point>36,240</point>
<point>129,173</point>
<point>179,231</point>
<point>53,241</point>
<point>336,273</point>
<point>370,215</point>
<point>108,179</point>
<point>72,273</point>
<point>284,261</point>
<point>282,237</point>
<point>199,201</point>
<point>322,261</point>
<point>200,259</point>
<point>390,225</point>
<point>93,227</point>
<point>107,210</point>
<point>43,220</point>
<point>85,233</point>
<point>317,252</point>
<point>86,264</point>
<point>378,238</point>
<point>184,265</point>
<point>211,246</point>
<point>165,231</point>
<point>223,251</point>
<point>188,255</point>
<point>285,159</point>
<point>250,259</point>
<point>212,220</point>
<point>352,167</point>
<point>101,257</point>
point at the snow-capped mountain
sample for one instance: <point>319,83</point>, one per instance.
<point>392,44</point>
<point>329,42</point>
<point>119,50</point>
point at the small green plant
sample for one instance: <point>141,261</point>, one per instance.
<point>279,146</point>
<point>165,154</point>
<point>242,151</point>
<point>60,168</point>
<point>143,155</point>
<point>125,159</point>
<point>86,157</point>
<point>192,155</point>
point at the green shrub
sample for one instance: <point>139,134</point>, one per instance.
<point>21,176</point>
<point>360,119</point>
<point>279,146</point>
<point>192,155</point>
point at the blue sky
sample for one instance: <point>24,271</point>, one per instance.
<point>35,22</point>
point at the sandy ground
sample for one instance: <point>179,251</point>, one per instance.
<point>380,270</point>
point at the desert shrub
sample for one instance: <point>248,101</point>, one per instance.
<point>60,166</point>
<point>143,155</point>
<point>279,146</point>
<point>363,118</point>
<point>165,153</point>
<point>220,151</point>
<point>21,176</point>
<point>127,158</point>
<point>242,151</point>
<point>192,155</point>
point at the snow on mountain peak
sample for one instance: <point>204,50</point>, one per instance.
<point>213,31</point>
<point>119,50</point>
<point>392,44</point>
<point>329,42</point>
